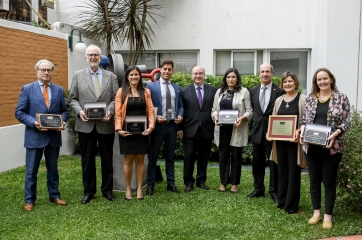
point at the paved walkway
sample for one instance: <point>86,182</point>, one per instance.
<point>354,237</point>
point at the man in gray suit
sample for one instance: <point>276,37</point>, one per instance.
<point>94,84</point>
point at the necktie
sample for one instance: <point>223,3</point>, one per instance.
<point>97,85</point>
<point>46,95</point>
<point>168,103</point>
<point>199,96</point>
<point>262,98</point>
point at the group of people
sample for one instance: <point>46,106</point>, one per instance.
<point>192,114</point>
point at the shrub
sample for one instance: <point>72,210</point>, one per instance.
<point>350,169</point>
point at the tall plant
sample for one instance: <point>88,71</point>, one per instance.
<point>134,28</point>
<point>99,20</point>
<point>120,21</point>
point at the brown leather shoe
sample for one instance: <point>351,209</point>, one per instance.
<point>29,206</point>
<point>58,201</point>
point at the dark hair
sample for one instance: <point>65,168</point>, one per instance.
<point>224,86</point>
<point>315,88</point>
<point>167,61</point>
<point>126,86</point>
<point>293,76</point>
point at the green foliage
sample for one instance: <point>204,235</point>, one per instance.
<point>41,24</point>
<point>350,169</point>
<point>197,215</point>
<point>73,137</point>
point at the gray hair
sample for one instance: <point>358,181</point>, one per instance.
<point>46,61</point>
<point>93,46</point>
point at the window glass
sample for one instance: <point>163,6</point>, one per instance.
<point>296,61</point>
<point>183,61</point>
<point>148,59</point>
<point>223,62</point>
<point>244,62</point>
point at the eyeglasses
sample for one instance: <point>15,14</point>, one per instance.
<point>44,70</point>
<point>200,74</point>
<point>92,55</point>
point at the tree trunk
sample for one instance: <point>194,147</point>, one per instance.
<point>139,37</point>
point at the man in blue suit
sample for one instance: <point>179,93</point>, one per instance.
<point>39,140</point>
<point>166,96</point>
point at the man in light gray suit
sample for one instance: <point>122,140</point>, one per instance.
<point>94,84</point>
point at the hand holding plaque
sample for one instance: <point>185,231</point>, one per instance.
<point>95,110</point>
<point>228,116</point>
<point>317,134</point>
<point>50,121</point>
<point>135,124</point>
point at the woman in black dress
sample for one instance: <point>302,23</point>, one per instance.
<point>133,100</point>
<point>289,154</point>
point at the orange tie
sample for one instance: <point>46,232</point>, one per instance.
<point>46,95</point>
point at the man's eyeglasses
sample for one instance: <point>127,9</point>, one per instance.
<point>44,70</point>
<point>92,55</point>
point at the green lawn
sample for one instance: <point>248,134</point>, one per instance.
<point>197,215</point>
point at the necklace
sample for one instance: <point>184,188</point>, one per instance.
<point>287,103</point>
<point>323,101</point>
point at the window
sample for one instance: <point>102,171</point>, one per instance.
<point>148,59</point>
<point>183,61</point>
<point>296,61</point>
<point>244,62</point>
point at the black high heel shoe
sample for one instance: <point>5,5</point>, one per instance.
<point>127,199</point>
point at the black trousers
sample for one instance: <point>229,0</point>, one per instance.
<point>88,151</point>
<point>229,167</point>
<point>260,153</point>
<point>202,146</point>
<point>322,168</point>
<point>289,176</point>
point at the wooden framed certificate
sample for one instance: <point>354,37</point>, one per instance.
<point>282,127</point>
<point>135,124</point>
<point>228,116</point>
<point>50,121</point>
<point>95,110</point>
<point>317,134</point>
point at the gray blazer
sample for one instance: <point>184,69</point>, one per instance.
<point>82,90</point>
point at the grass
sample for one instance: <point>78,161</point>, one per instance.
<point>197,215</point>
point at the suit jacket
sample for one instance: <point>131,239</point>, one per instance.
<point>30,103</point>
<point>121,110</point>
<point>260,120</point>
<point>193,113</point>
<point>82,90</point>
<point>155,89</point>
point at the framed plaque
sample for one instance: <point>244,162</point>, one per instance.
<point>317,134</point>
<point>228,116</point>
<point>135,124</point>
<point>95,110</point>
<point>282,127</point>
<point>50,121</point>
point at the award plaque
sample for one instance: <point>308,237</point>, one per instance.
<point>95,110</point>
<point>282,127</point>
<point>50,121</point>
<point>171,115</point>
<point>317,134</point>
<point>228,116</point>
<point>135,124</point>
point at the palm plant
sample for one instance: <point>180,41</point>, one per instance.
<point>98,21</point>
<point>122,21</point>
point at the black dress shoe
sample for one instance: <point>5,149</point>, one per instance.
<point>149,191</point>
<point>203,186</point>
<point>274,197</point>
<point>255,194</point>
<point>109,196</point>
<point>189,188</point>
<point>172,189</point>
<point>86,199</point>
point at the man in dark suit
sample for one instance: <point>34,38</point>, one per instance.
<point>166,96</point>
<point>197,128</point>
<point>262,100</point>
<point>45,97</point>
<point>94,84</point>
